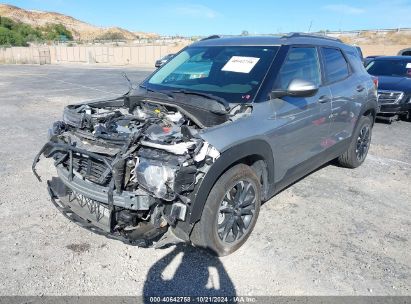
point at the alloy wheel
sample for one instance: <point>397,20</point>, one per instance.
<point>236,212</point>
<point>363,143</point>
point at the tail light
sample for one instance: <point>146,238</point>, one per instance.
<point>375,80</point>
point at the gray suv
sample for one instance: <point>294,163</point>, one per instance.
<point>190,155</point>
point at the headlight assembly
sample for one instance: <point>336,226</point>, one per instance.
<point>155,176</point>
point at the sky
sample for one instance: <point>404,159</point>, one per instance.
<point>231,17</point>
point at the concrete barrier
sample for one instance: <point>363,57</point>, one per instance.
<point>387,50</point>
<point>143,55</point>
<point>138,55</point>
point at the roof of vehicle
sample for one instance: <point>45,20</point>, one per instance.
<point>379,58</point>
<point>294,38</point>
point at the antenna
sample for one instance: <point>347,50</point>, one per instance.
<point>309,27</point>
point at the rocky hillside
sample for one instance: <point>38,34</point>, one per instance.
<point>378,38</point>
<point>80,29</point>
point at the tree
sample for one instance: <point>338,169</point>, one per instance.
<point>54,31</point>
<point>4,36</point>
<point>7,23</point>
<point>111,36</point>
<point>9,37</point>
<point>18,33</point>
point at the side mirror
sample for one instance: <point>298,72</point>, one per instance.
<point>297,88</point>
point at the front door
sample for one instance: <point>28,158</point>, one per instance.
<point>304,121</point>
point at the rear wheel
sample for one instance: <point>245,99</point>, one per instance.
<point>360,143</point>
<point>230,212</point>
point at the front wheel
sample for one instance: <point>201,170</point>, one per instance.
<point>230,212</point>
<point>360,143</point>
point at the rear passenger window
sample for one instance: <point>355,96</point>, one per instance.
<point>301,63</point>
<point>336,67</point>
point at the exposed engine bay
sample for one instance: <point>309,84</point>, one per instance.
<point>127,166</point>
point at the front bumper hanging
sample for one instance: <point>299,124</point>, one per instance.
<point>91,205</point>
<point>94,216</point>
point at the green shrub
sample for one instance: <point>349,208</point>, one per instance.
<point>18,33</point>
<point>55,31</point>
<point>111,36</point>
<point>10,37</point>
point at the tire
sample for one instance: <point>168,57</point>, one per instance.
<point>213,231</point>
<point>360,143</point>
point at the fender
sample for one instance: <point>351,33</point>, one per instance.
<point>229,157</point>
<point>371,104</point>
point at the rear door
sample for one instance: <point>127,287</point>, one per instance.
<point>346,89</point>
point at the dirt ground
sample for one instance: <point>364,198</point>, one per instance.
<point>336,232</point>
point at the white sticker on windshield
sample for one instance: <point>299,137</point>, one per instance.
<point>240,64</point>
<point>408,66</point>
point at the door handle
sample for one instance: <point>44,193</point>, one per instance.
<point>360,88</point>
<point>324,99</point>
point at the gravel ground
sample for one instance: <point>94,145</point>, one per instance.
<point>336,232</point>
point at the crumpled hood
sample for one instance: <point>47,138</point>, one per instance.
<point>205,112</point>
<point>394,83</point>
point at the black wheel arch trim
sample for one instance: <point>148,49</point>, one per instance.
<point>371,105</point>
<point>228,158</point>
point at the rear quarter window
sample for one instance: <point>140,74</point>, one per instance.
<point>355,62</point>
<point>335,65</point>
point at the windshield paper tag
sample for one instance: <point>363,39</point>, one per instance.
<point>240,64</point>
<point>408,65</point>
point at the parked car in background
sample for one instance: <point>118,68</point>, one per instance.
<point>394,86</point>
<point>405,52</point>
<point>190,155</point>
<point>163,60</point>
<point>368,59</point>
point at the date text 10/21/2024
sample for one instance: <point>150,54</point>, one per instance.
<point>201,299</point>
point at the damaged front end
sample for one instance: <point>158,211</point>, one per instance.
<point>126,167</point>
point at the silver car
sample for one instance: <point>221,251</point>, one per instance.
<point>163,60</point>
<point>224,125</point>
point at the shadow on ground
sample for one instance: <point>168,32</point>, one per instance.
<point>198,274</point>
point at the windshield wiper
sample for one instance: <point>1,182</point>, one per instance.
<point>154,91</point>
<point>130,84</point>
<point>220,100</point>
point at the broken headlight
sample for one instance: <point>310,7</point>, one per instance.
<point>155,177</point>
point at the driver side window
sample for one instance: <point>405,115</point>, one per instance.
<point>302,63</point>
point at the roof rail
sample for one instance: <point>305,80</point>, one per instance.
<point>294,35</point>
<point>210,37</point>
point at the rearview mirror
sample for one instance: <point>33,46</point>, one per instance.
<point>297,88</point>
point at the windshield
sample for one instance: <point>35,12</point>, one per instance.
<point>397,68</point>
<point>233,73</point>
